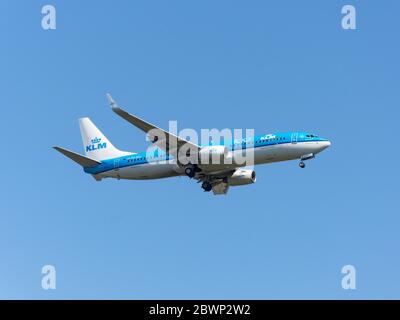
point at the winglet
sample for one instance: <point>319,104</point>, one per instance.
<point>111,101</point>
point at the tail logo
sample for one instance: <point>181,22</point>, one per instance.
<point>96,144</point>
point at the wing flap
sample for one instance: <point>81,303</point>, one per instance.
<point>220,188</point>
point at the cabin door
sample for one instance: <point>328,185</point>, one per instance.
<point>116,164</point>
<point>294,137</point>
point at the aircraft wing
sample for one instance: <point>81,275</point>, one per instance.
<point>220,188</point>
<point>165,140</point>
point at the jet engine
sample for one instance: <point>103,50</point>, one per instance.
<point>242,177</point>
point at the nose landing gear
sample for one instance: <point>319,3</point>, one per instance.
<point>305,157</point>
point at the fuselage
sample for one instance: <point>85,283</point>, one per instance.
<point>267,148</point>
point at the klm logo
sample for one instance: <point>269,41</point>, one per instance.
<point>96,145</point>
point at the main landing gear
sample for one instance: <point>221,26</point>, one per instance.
<point>191,170</point>
<point>207,187</point>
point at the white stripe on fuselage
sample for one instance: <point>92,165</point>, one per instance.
<point>263,154</point>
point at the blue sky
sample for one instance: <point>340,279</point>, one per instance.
<point>265,65</point>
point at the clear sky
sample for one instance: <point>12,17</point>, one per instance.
<point>265,65</point>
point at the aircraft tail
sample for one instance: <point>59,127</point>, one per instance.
<point>83,161</point>
<point>96,144</point>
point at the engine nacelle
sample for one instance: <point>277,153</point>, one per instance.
<point>213,155</point>
<point>241,177</point>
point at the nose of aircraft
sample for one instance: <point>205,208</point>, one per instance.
<point>324,144</point>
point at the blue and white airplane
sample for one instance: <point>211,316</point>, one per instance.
<point>103,160</point>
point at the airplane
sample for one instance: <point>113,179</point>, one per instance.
<point>103,160</point>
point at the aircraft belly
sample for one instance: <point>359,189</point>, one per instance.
<point>208,168</point>
<point>147,171</point>
<point>265,154</point>
<point>272,153</point>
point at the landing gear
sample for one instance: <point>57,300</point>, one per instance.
<point>190,172</point>
<point>307,156</point>
<point>207,187</point>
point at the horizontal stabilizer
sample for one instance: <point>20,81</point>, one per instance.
<point>79,159</point>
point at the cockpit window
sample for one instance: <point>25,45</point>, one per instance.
<point>311,136</point>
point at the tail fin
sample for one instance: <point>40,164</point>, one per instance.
<point>96,145</point>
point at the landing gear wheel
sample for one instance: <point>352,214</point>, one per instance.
<point>302,165</point>
<point>207,187</point>
<point>190,172</point>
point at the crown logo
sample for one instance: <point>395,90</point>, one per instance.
<point>95,140</point>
